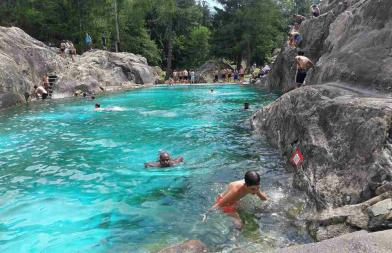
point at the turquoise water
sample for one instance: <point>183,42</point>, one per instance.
<point>73,180</point>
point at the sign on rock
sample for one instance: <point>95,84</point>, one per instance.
<point>297,158</point>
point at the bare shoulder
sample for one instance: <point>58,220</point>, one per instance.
<point>236,185</point>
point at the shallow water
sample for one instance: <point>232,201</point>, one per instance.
<point>72,180</point>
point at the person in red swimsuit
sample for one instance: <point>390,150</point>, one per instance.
<point>228,201</point>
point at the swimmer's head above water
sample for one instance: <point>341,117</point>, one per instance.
<point>97,105</point>
<point>252,181</point>
<point>164,159</point>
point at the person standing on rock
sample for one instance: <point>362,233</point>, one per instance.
<point>62,48</point>
<point>192,73</point>
<point>242,74</point>
<point>45,81</point>
<point>88,41</point>
<point>104,41</point>
<point>303,64</point>
<point>216,76</point>
<point>228,201</point>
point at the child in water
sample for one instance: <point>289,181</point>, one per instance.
<point>228,201</point>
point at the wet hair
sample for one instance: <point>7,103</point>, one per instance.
<point>35,86</point>
<point>97,105</point>
<point>301,52</point>
<point>92,97</point>
<point>252,178</point>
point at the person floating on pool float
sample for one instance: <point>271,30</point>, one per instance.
<point>228,201</point>
<point>164,161</point>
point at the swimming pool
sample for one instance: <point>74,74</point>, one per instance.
<point>73,180</point>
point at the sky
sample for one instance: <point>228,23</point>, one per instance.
<point>212,3</point>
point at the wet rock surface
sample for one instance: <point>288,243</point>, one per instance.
<point>191,246</point>
<point>361,241</point>
<point>24,61</point>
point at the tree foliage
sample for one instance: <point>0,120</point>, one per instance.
<point>170,33</point>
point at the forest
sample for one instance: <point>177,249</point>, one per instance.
<point>169,33</point>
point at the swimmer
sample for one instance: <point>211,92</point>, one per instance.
<point>212,90</point>
<point>164,161</point>
<point>98,107</point>
<point>246,106</point>
<point>228,201</point>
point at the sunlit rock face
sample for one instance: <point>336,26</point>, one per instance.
<point>24,60</point>
<point>349,42</point>
<point>341,120</point>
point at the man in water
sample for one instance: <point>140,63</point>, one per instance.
<point>40,91</point>
<point>303,64</point>
<point>228,201</point>
<point>165,161</point>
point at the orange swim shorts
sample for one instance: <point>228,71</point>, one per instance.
<point>228,208</point>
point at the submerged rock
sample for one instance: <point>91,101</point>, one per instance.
<point>24,60</point>
<point>190,246</point>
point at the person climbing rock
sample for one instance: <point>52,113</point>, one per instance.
<point>228,201</point>
<point>298,18</point>
<point>315,10</point>
<point>303,64</point>
<point>164,161</point>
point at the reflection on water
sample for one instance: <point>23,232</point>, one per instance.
<point>73,180</point>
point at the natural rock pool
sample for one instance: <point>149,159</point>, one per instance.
<point>73,180</point>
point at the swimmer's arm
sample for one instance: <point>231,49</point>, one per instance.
<point>178,160</point>
<point>151,164</point>
<point>262,195</point>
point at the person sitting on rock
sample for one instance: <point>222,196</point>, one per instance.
<point>164,161</point>
<point>303,64</point>
<point>228,201</point>
<point>315,10</point>
<point>40,92</point>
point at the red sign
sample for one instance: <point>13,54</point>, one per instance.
<point>297,158</point>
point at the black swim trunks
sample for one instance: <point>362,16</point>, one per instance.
<point>44,95</point>
<point>301,75</point>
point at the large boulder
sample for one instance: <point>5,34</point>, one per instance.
<point>24,60</point>
<point>205,73</point>
<point>345,136</point>
<point>103,70</point>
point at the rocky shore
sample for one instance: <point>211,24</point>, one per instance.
<point>341,120</point>
<point>24,61</point>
